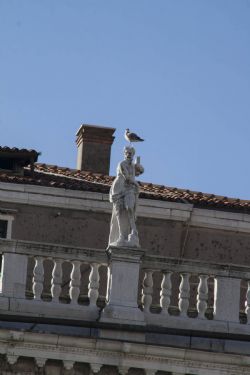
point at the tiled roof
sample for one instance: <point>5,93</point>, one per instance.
<point>54,176</point>
<point>19,155</point>
<point>15,149</point>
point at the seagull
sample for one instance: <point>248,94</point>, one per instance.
<point>132,137</point>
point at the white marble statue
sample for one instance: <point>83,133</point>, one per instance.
<point>124,195</point>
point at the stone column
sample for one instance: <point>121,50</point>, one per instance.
<point>122,293</point>
<point>226,299</point>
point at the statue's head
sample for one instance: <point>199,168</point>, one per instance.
<point>129,152</point>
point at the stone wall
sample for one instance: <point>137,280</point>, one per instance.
<point>157,236</point>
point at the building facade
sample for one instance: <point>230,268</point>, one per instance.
<point>70,304</point>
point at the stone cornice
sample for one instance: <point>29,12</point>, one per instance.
<point>115,353</point>
<point>98,202</point>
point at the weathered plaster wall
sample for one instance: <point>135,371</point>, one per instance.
<point>161,237</point>
<point>215,245</point>
<point>77,228</point>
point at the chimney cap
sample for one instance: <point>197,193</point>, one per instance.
<point>93,129</point>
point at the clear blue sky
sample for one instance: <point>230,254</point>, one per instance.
<point>177,72</point>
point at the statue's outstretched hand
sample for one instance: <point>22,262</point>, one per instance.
<point>138,169</point>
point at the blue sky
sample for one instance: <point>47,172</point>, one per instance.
<point>177,72</point>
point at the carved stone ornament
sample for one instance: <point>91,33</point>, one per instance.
<point>11,358</point>
<point>68,365</point>
<point>40,362</point>
<point>123,370</point>
<point>124,194</point>
<point>95,367</point>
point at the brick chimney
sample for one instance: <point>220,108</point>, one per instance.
<point>94,148</point>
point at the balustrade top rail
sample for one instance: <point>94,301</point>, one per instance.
<point>154,262</point>
<point>65,252</point>
<point>158,263</point>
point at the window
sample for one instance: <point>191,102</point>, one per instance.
<point>6,219</point>
<point>3,228</point>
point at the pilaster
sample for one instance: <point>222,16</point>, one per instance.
<point>122,292</point>
<point>226,299</point>
<point>14,273</point>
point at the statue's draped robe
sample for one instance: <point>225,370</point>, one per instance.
<point>123,194</point>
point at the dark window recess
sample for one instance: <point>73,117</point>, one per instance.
<point>3,228</point>
<point>7,164</point>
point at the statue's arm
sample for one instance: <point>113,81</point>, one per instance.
<point>138,169</point>
<point>124,171</point>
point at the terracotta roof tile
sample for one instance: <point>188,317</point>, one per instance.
<point>15,149</point>
<point>60,177</point>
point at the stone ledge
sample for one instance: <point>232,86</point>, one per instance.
<point>129,354</point>
<point>34,308</point>
<point>80,200</point>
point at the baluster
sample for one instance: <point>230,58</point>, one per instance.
<point>56,281</point>
<point>166,289</point>
<point>93,284</point>
<point>147,290</point>
<point>75,281</point>
<point>202,296</point>
<point>184,294</point>
<point>247,310</point>
<point>38,278</point>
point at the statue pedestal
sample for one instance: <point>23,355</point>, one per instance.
<point>122,293</point>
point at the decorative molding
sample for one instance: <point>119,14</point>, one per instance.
<point>12,358</point>
<point>139,356</point>
<point>95,367</point>
<point>40,362</point>
<point>17,335</point>
<point>98,202</point>
<point>68,364</point>
<point>123,370</point>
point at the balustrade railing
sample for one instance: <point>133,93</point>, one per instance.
<point>187,289</point>
<point>183,295</point>
<point>28,279</point>
<point>76,281</point>
<point>69,282</point>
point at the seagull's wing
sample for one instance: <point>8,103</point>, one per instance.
<point>134,137</point>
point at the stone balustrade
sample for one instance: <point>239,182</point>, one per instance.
<point>25,277</point>
<point>63,282</point>
<point>57,280</point>
<point>178,291</point>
